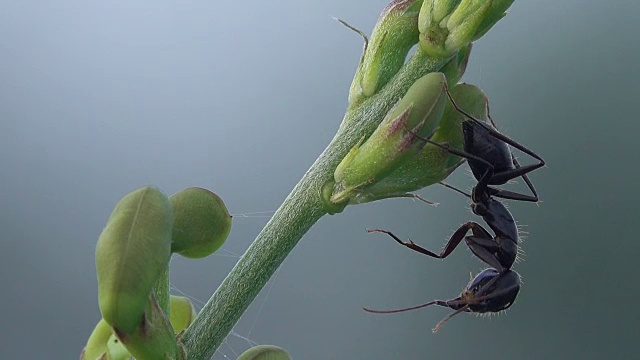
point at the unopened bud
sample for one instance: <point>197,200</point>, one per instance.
<point>115,350</point>
<point>182,313</point>
<point>393,36</point>
<point>132,252</point>
<point>394,141</point>
<point>432,164</point>
<point>201,222</point>
<point>154,337</point>
<point>265,352</point>
<point>447,25</point>
<point>97,342</point>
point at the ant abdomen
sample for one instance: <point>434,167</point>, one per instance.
<point>478,141</point>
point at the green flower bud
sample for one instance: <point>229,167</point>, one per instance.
<point>115,350</point>
<point>393,36</point>
<point>394,141</point>
<point>201,222</point>
<point>132,252</point>
<point>432,164</point>
<point>447,25</point>
<point>434,11</point>
<point>496,12</point>
<point>265,352</point>
<point>97,342</point>
<point>154,337</point>
<point>456,66</point>
<point>332,208</point>
<point>182,313</point>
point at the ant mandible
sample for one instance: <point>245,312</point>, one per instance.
<point>492,163</point>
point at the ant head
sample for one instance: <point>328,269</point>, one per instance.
<point>490,291</point>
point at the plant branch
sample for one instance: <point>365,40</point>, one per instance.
<point>297,214</point>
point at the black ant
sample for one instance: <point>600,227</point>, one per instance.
<point>492,163</point>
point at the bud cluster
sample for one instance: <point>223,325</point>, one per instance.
<point>132,259</point>
<point>394,159</point>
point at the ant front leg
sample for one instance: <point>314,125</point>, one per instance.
<point>495,133</point>
<point>518,171</point>
<point>510,195</point>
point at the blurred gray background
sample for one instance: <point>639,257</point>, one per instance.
<point>97,99</point>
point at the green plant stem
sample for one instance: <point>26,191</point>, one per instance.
<point>300,210</point>
<point>161,291</point>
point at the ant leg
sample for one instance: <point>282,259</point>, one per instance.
<point>416,196</point>
<point>455,151</point>
<point>485,248</point>
<point>458,109</point>
<point>505,194</point>
<point>516,164</point>
<point>507,175</point>
<point>453,242</point>
<point>510,195</point>
<point>519,170</point>
<point>492,130</point>
<point>486,177</point>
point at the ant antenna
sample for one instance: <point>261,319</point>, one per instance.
<point>434,302</point>
<point>486,106</point>
<point>454,188</point>
<point>415,196</point>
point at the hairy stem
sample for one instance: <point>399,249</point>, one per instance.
<point>161,291</point>
<point>299,211</point>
